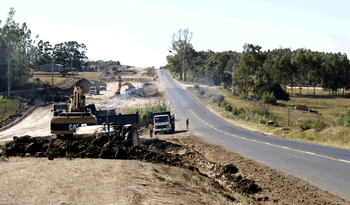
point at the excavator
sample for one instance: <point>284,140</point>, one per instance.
<point>120,86</point>
<point>84,122</point>
<point>67,118</point>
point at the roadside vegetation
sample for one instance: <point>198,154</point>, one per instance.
<point>145,111</point>
<point>329,126</point>
<point>269,88</point>
<point>8,109</point>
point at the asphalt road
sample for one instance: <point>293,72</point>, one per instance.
<point>325,167</point>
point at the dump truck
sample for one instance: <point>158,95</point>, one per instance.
<point>103,86</point>
<point>163,122</point>
<point>94,90</point>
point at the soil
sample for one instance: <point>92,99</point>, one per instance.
<point>171,169</point>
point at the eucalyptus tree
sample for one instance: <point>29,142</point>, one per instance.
<point>180,45</point>
<point>250,67</point>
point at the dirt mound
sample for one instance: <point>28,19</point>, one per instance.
<point>151,150</point>
<point>150,89</point>
<point>84,84</point>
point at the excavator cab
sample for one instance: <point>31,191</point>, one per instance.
<point>57,109</point>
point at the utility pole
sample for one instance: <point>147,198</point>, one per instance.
<point>233,81</point>
<point>8,77</point>
<point>52,74</point>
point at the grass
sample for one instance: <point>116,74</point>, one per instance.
<point>329,108</point>
<point>46,77</point>
<point>8,109</point>
<point>145,111</point>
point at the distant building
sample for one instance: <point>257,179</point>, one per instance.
<point>48,67</point>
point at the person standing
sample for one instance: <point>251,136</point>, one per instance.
<point>150,127</point>
<point>187,122</point>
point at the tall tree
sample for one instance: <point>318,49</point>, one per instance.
<point>180,45</point>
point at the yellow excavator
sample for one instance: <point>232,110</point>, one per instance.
<point>80,121</point>
<point>67,118</point>
<point>120,86</point>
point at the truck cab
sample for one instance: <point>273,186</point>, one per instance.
<point>163,122</point>
<point>94,90</point>
<point>103,86</point>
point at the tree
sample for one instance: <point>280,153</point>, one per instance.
<point>180,46</point>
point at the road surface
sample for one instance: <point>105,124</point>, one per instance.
<point>37,124</point>
<point>325,167</point>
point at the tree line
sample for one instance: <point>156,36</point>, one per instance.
<point>24,54</point>
<point>257,70</point>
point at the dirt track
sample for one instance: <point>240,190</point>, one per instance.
<point>36,124</point>
<point>177,169</point>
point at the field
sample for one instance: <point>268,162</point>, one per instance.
<point>327,108</point>
<point>46,77</point>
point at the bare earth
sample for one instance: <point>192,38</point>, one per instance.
<point>29,180</point>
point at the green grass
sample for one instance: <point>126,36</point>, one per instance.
<point>8,108</point>
<point>145,111</point>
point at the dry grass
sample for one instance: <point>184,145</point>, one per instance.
<point>58,80</point>
<point>329,108</point>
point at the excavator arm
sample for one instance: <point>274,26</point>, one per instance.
<point>120,86</point>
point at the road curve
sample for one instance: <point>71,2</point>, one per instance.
<point>325,167</point>
<point>37,124</point>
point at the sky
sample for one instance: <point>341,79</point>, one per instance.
<point>139,32</point>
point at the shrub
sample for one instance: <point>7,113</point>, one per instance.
<point>218,98</point>
<point>344,119</point>
<point>237,111</point>
<point>304,126</point>
<point>269,98</point>
<point>228,107</point>
<point>145,112</point>
<point>243,95</point>
<point>319,125</point>
<point>201,91</point>
<point>223,104</point>
<point>196,86</point>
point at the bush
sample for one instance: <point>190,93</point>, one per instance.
<point>268,98</point>
<point>223,104</point>
<point>201,91</point>
<point>304,126</point>
<point>218,98</point>
<point>243,95</point>
<point>237,111</point>
<point>276,89</point>
<point>344,119</point>
<point>228,107</point>
<point>145,112</point>
<point>319,125</point>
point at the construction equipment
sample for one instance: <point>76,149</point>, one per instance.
<point>163,122</point>
<point>94,90</point>
<point>120,86</point>
<point>67,118</point>
<point>119,127</point>
<point>103,86</point>
<point>80,121</point>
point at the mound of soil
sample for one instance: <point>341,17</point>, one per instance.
<point>150,90</point>
<point>150,150</point>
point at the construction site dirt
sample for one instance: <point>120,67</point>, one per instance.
<point>175,168</point>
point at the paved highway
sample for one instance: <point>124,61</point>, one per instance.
<point>326,167</point>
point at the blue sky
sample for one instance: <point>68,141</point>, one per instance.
<point>138,32</point>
